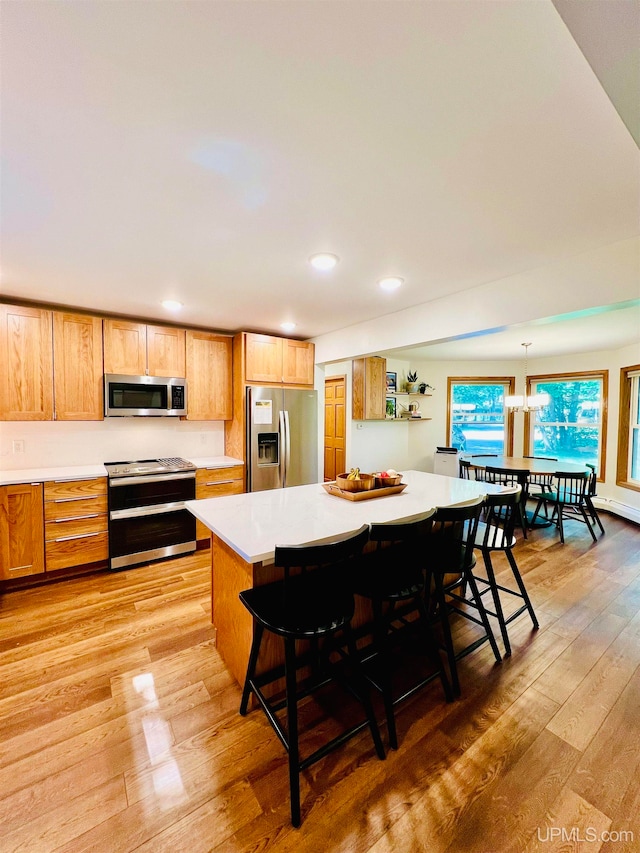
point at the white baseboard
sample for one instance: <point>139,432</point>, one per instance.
<point>631,513</point>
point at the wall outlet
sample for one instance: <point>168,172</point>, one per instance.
<point>18,445</point>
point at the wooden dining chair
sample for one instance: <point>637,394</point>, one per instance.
<point>568,499</point>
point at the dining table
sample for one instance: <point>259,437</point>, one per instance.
<point>532,464</point>
<point>536,466</point>
<point>247,527</point>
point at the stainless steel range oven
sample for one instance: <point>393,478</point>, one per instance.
<point>147,517</point>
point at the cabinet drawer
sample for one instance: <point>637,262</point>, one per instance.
<point>89,548</point>
<point>216,490</point>
<point>205,476</point>
<point>65,527</point>
<point>75,489</point>
<point>75,507</point>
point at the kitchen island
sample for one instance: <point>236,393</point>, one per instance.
<point>246,529</point>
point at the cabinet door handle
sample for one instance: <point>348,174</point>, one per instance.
<point>76,518</point>
<point>82,498</point>
<point>219,483</point>
<point>78,536</point>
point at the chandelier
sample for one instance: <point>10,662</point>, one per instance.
<point>524,402</point>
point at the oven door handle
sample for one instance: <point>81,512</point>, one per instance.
<point>140,511</point>
<point>151,478</point>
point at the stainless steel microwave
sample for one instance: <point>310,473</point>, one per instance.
<point>144,396</point>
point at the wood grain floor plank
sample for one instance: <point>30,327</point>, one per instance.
<point>611,762</point>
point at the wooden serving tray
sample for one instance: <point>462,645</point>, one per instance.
<point>382,492</point>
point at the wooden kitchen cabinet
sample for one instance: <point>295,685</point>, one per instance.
<point>215,483</point>
<point>209,376</point>
<point>77,367</point>
<point>369,389</point>
<point>139,349</point>
<point>21,531</point>
<point>26,377</point>
<point>76,523</point>
<point>274,360</point>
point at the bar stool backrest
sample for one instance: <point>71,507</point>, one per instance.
<point>499,520</point>
<point>453,536</point>
<point>509,477</point>
<point>323,554</point>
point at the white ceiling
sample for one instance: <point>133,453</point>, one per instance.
<point>202,151</point>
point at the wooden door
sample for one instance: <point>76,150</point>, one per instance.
<point>26,375</point>
<point>369,388</point>
<point>263,358</point>
<point>165,351</point>
<point>334,427</point>
<point>208,372</point>
<point>125,347</point>
<point>21,530</point>
<point>77,367</point>
<point>297,362</point>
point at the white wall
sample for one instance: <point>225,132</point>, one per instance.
<point>53,443</point>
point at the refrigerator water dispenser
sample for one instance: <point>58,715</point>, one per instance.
<point>268,448</point>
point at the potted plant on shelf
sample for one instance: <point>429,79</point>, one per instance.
<point>412,382</point>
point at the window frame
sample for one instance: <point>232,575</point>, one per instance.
<point>509,384</point>
<point>623,468</point>
<point>603,376</point>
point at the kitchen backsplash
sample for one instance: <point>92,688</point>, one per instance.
<point>56,443</point>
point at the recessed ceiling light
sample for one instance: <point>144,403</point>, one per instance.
<point>288,327</point>
<point>392,283</point>
<point>171,304</point>
<point>323,261</point>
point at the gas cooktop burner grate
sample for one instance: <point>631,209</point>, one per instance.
<point>165,465</point>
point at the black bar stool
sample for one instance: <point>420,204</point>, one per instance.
<point>392,578</point>
<point>449,561</point>
<point>314,605</point>
<point>496,533</point>
<point>513,477</point>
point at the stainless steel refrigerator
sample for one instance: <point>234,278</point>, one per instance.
<point>282,437</point>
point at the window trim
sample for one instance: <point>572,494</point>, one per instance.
<point>624,428</point>
<point>603,376</point>
<point>508,381</point>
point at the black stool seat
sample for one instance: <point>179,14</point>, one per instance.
<point>314,604</point>
<point>311,607</point>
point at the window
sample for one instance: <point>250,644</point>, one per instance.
<point>628,469</point>
<point>572,426</point>
<point>476,420</point>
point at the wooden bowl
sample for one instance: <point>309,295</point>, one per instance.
<point>383,482</point>
<point>366,482</point>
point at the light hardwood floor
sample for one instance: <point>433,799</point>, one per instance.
<point>119,725</point>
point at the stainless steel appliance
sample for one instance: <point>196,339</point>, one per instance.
<point>147,517</point>
<point>144,396</point>
<point>282,437</point>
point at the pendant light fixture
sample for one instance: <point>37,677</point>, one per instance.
<point>524,402</point>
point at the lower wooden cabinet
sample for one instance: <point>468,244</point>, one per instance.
<point>214,483</point>
<point>21,531</point>
<point>76,523</point>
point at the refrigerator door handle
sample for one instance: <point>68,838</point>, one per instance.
<point>287,446</point>
<point>282,430</point>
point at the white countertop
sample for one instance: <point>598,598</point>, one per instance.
<point>82,472</point>
<point>254,523</point>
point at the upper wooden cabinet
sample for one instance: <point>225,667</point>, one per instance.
<point>277,360</point>
<point>26,377</point>
<point>21,530</point>
<point>369,390</point>
<point>77,366</point>
<point>209,361</point>
<point>138,349</point>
